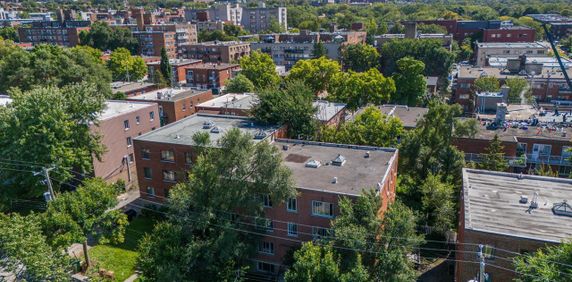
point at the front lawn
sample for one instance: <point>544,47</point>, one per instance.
<point>122,258</point>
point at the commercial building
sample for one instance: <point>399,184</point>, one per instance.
<point>132,88</point>
<point>322,173</point>
<point>178,68</point>
<point>510,215</point>
<point>532,139</point>
<point>118,125</point>
<point>485,50</point>
<point>547,83</point>
<point>217,51</point>
<point>210,75</point>
<point>174,103</point>
<point>65,33</point>
<point>288,48</point>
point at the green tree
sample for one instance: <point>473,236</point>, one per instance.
<point>371,127</point>
<point>260,69</point>
<point>357,89</point>
<point>487,84</point>
<point>165,67</point>
<point>26,253</point>
<point>215,35</point>
<point>104,37</point>
<point>466,127</point>
<point>360,57</point>
<point>76,217</point>
<point>493,158</point>
<point>9,33</point>
<point>518,88</point>
<point>319,50</point>
<point>123,66</point>
<point>314,263</point>
<point>49,126</point>
<point>49,65</point>
<point>291,106</point>
<point>316,73</point>
<point>410,82</point>
<point>466,50</point>
<point>234,30</point>
<point>436,58</point>
<point>239,84</point>
<point>438,206</point>
<point>200,239</point>
<point>546,264</point>
<point>431,28</point>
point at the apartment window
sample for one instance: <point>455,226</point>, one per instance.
<point>151,116</point>
<point>145,154</point>
<point>292,229</point>
<point>129,142</point>
<point>167,156</point>
<point>150,191</point>
<point>318,232</point>
<point>147,172</point>
<point>131,158</point>
<point>264,224</point>
<point>292,205</point>
<point>324,209</point>
<point>126,124</point>
<point>266,201</point>
<point>184,107</point>
<point>188,158</point>
<point>168,175</point>
<point>266,247</point>
<point>265,267</point>
<point>138,119</point>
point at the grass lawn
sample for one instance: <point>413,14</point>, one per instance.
<point>122,258</point>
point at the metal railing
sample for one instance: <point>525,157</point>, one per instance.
<point>523,160</point>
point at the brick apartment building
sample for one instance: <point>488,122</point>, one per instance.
<point>560,26</point>
<point>288,48</point>
<point>322,173</point>
<point>151,42</point>
<point>485,31</point>
<point>486,50</point>
<point>178,67</point>
<point>530,140</point>
<point>185,34</point>
<point>210,75</point>
<point>497,210</point>
<point>132,88</point>
<point>547,83</point>
<point>217,51</point>
<point>118,125</point>
<point>508,34</point>
<point>174,103</point>
<point>64,33</point>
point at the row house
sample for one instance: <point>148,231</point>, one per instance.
<point>322,173</point>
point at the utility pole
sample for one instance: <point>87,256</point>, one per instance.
<point>46,172</point>
<point>481,264</point>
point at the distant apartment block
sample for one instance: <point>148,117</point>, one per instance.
<point>560,26</point>
<point>174,103</point>
<point>118,125</point>
<point>229,13</point>
<point>64,33</point>
<point>178,68</point>
<point>510,215</point>
<point>257,20</point>
<point>210,75</point>
<point>217,51</point>
<point>485,31</point>
<point>288,48</point>
<point>151,43</point>
<point>485,50</point>
<point>510,34</point>
<point>185,34</point>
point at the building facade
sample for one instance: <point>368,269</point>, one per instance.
<point>174,103</point>
<point>151,43</point>
<point>118,125</point>
<point>217,51</point>
<point>210,75</point>
<point>178,68</point>
<point>485,50</point>
<point>512,34</point>
<point>64,33</point>
<point>257,20</point>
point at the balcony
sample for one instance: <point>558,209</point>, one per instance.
<point>524,160</point>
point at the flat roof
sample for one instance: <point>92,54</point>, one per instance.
<point>4,100</point>
<point>491,204</point>
<point>124,86</point>
<point>409,116</point>
<point>545,61</point>
<point>167,94</point>
<point>476,72</point>
<point>219,43</point>
<point>216,66</point>
<point>357,173</point>
<point>243,101</point>
<point>115,108</point>
<point>521,45</point>
<point>327,110</point>
<point>176,62</point>
<point>182,131</point>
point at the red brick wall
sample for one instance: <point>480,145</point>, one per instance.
<point>509,35</point>
<point>478,146</point>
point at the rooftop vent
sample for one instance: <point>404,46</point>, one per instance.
<point>208,124</point>
<point>215,130</point>
<point>366,155</point>
<point>563,209</point>
<point>313,164</point>
<point>523,199</point>
<point>335,180</point>
<point>260,135</point>
<point>177,136</point>
<point>339,161</point>
<point>285,147</point>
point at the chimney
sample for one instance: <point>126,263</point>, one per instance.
<point>501,112</point>
<point>410,29</point>
<point>504,91</point>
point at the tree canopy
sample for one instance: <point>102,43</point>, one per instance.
<point>165,67</point>
<point>360,57</point>
<point>410,82</point>
<point>436,58</point>
<point>239,84</point>
<point>125,67</point>
<point>104,37</point>
<point>546,264</point>
<point>486,84</point>
<point>493,158</point>
<point>200,238</point>
<point>316,73</point>
<point>358,89</point>
<point>260,69</point>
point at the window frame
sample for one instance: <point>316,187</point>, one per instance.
<point>295,229</point>
<point>169,172</point>
<point>288,205</point>
<point>315,209</point>
<point>169,160</point>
